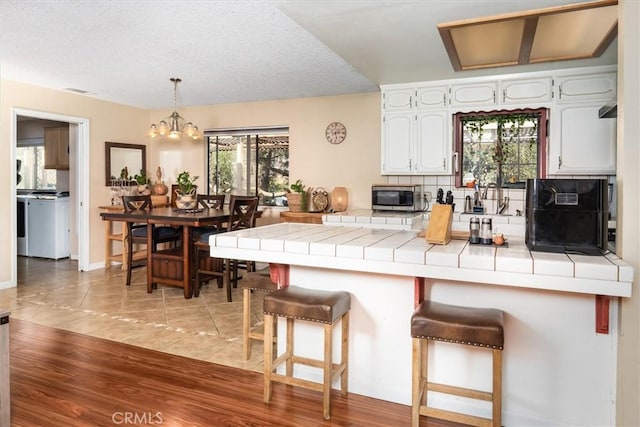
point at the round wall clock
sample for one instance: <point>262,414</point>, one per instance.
<point>336,132</point>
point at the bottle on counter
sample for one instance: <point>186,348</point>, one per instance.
<point>474,230</point>
<point>486,235</point>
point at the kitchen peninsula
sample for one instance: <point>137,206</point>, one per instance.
<point>557,369</point>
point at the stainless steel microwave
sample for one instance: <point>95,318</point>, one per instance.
<point>397,197</point>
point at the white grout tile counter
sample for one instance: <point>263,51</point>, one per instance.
<point>558,369</point>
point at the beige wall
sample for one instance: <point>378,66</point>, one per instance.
<point>628,176</point>
<point>354,164</point>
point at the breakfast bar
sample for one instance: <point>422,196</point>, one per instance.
<point>560,326</point>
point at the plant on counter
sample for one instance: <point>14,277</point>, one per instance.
<point>186,182</point>
<point>298,187</point>
<point>297,197</point>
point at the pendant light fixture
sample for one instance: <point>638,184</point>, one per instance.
<point>175,125</point>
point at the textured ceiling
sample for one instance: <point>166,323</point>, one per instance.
<point>237,51</point>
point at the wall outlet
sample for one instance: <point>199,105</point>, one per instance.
<point>427,196</point>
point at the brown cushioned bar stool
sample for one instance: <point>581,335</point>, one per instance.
<point>481,327</point>
<point>326,307</point>
<point>257,281</point>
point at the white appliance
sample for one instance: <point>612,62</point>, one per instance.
<point>48,227</point>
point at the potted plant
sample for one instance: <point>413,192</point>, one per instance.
<point>143,182</point>
<point>186,191</point>
<point>297,197</point>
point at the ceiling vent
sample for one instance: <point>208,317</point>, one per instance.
<point>80,91</point>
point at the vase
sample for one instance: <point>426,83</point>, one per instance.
<point>297,202</point>
<point>186,200</point>
<point>143,189</point>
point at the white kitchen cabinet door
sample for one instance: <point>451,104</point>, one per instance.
<point>398,99</point>
<point>474,94</point>
<point>432,98</point>
<point>525,91</point>
<point>586,87</point>
<point>397,139</point>
<point>433,143</point>
<point>581,143</point>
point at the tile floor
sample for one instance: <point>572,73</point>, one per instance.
<point>97,303</point>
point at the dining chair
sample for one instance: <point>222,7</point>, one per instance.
<point>207,201</point>
<point>242,215</point>
<point>137,232</point>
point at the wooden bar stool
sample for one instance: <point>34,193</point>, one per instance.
<point>325,307</point>
<point>481,327</point>
<point>257,281</point>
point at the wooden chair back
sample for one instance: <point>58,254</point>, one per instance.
<point>242,212</point>
<point>213,201</point>
<point>137,203</point>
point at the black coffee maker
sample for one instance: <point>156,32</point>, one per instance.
<point>567,215</point>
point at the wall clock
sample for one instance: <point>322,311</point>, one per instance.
<point>336,132</point>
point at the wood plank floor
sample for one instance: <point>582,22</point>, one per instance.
<point>62,378</point>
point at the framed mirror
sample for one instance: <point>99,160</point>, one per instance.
<point>119,156</point>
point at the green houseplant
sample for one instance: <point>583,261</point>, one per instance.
<point>186,182</point>
<point>141,178</point>
<point>186,191</point>
<point>297,197</point>
<point>143,182</point>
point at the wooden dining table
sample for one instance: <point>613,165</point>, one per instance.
<point>172,266</point>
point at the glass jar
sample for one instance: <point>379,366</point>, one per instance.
<point>474,230</point>
<point>486,237</point>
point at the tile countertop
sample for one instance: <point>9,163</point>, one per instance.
<point>376,219</point>
<point>400,252</point>
<point>505,224</point>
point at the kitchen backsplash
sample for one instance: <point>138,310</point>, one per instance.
<point>432,183</point>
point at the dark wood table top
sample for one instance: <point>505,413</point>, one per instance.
<point>169,215</point>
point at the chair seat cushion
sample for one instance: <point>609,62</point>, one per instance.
<point>482,327</point>
<point>259,281</point>
<point>204,237</point>
<point>161,232</point>
<point>198,231</point>
<point>307,304</point>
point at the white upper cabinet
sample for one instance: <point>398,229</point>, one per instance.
<point>472,94</point>
<point>525,91</point>
<point>398,140</point>
<point>418,124</point>
<point>581,143</point>
<point>586,87</point>
<point>398,99</point>
<point>432,97</point>
<point>433,148</point>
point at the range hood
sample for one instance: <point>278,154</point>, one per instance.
<point>608,111</point>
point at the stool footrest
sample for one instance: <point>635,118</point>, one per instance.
<point>460,391</point>
<point>471,420</point>
<point>260,336</point>
<point>336,368</point>
<point>310,385</point>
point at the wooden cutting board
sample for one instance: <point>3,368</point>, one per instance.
<point>455,235</point>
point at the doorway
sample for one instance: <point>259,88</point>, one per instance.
<point>78,181</point>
